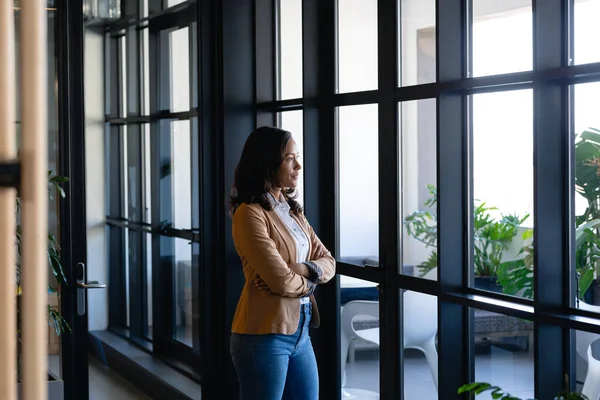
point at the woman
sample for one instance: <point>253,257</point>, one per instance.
<point>283,262</point>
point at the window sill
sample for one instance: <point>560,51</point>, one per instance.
<point>149,374</point>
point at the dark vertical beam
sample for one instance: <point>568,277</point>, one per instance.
<point>320,173</point>
<point>197,248</point>
<point>551,195</point>
<point>213,338</point>
<point>453,342</point>
<point>70,58</point>
<point>236,119</point>
<point>159,317</point>
<point>392,381</point>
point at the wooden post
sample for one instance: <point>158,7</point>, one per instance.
<point>34,196</point>
<point>8,336</point>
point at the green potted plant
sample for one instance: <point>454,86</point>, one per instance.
<point>55,319</point>
<point>497,393</point>
<point>516,276</point>
<point>493,236</point>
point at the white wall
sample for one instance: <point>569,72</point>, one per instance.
<point>97,266</point>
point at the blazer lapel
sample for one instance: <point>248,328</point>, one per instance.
<point>285,235</point>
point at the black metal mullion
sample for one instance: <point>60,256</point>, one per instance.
<point>160,311</point>
<point>390,309</point>
<point>197,246</point>
<point>320,171</point>
<point>196,183</point>
<point>71,142</point>
<point>551,196</point>
<point>454,355</point>
<point>211,304</point>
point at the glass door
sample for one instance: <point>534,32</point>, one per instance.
<point>66,90</point>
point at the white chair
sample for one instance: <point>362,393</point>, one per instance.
<point>583,343</point>
<point>420,328</point>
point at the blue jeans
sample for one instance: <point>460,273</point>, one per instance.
<point>277,366</point>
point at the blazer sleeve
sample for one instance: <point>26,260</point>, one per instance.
<point>254,244</point>
<point>320,256</point>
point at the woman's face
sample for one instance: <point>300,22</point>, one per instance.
<point>289,170</point>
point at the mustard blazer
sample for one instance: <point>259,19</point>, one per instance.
<point>266,247</point>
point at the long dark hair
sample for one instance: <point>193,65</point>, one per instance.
<point>257,169</point>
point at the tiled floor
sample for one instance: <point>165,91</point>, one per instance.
<point>104,383</point>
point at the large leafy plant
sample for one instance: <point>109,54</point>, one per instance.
<point>492,235</point>
<point>517,276</point>
<point>497,393</point>
<point>55,319</point>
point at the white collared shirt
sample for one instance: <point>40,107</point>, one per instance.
<point>282,209</point>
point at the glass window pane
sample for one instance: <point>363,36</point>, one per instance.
<point>586,346</point>
<point>147,174</point>
<point>358,184</point>
<point>176,175</point>
<point>585,36</point>
<point>357,45</point>
<point>123,75</point>
<point>586,139</point>
<point>135,209</point>
<point>147,193</point>
<point>359,333</point>
<point>113,147</point>
<point>503,353</point>
<point>148,289</point>
<point>176,256</point>
<point>145,70</point>
<point>127,272</point>
<point>132,68</point>
<point>292,121</point>
<point>503,192</point>
<point>290,49</point>
<point>420,345</point>
<point>179,57</point>
<point>417,50</point>
<point>502,37</point>
<point>171,3</point>
<point>419,193</point>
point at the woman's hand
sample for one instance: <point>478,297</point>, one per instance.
<point>262,285</point>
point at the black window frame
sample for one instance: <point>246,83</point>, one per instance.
<point>550,79</point>
<point>237,80</point>
<point>161,343</point>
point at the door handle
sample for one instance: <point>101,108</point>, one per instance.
<point>91,285</point>
<point>83,286</point>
